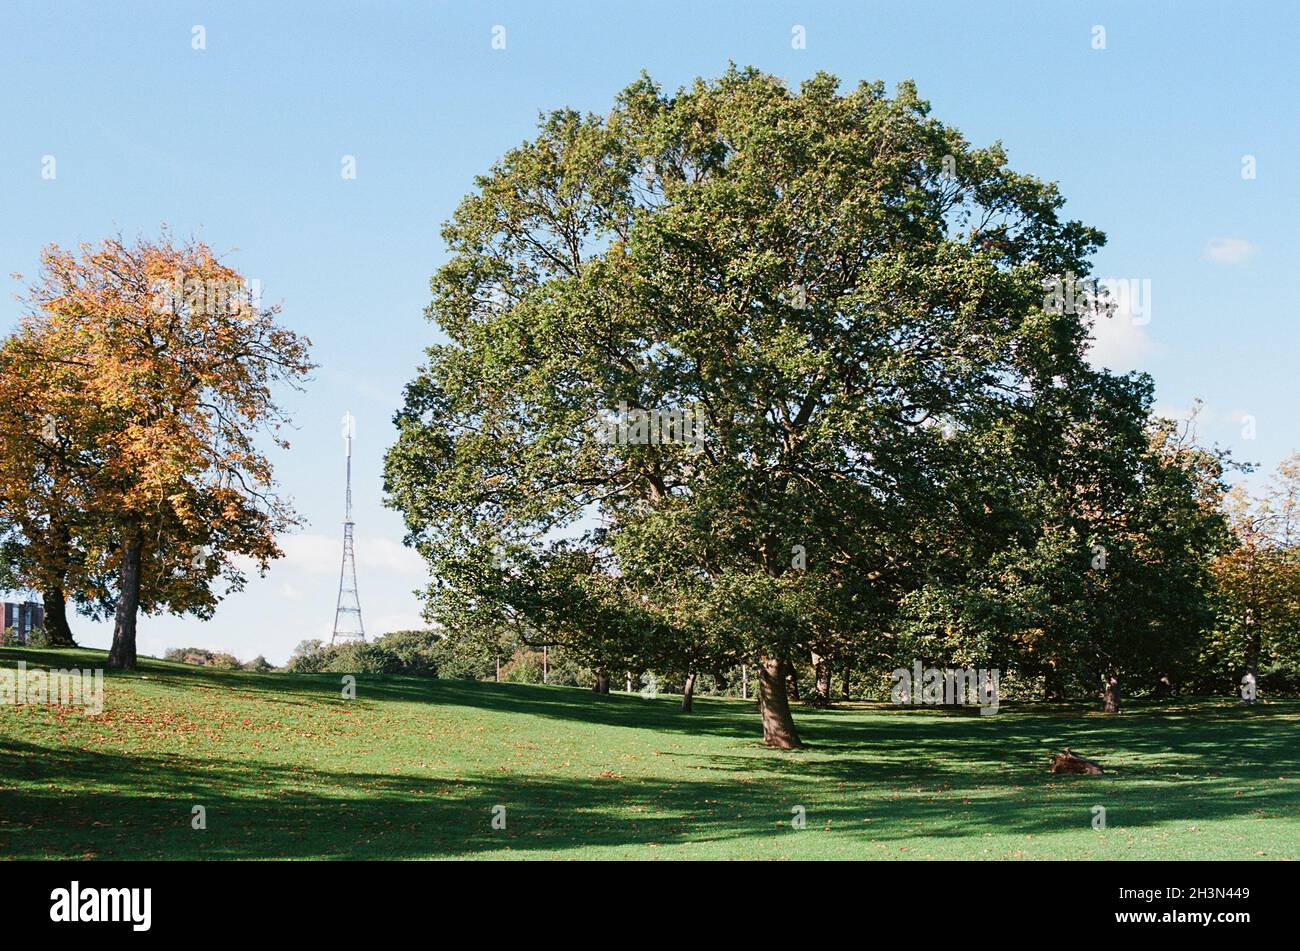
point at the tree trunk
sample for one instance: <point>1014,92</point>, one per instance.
<point>629,681</point>
<point>122,654</point>
<point>1053,690</point>
<point>845,688</point>
<point>688,693</point>
<point>821,696</point>
<point>778,725</point>
<point>602,680</point>
<point>1112,694</point>
<point>792,681</point>
<point>57,631</point>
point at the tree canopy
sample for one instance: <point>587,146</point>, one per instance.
<point>849,296</point>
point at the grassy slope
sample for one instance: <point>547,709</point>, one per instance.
<point>412,768</point>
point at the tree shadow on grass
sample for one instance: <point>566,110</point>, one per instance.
<point>880,773</point>
<point>1201,737</point>
<point>58,803</point>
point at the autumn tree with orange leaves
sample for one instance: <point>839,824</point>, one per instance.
<point>1258,578</point>
<point>132,399</point>
<point>45,460</point>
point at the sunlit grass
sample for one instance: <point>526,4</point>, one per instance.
<point>285,767</point>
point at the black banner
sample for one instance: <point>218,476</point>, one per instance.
<point>333,899</point>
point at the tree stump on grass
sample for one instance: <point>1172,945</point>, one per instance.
<point>1068,762</point>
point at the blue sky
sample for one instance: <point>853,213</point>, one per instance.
<point>242,143</point>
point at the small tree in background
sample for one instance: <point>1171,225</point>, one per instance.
<point>1258,578</point>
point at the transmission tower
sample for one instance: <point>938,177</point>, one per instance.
<point>347,616</point>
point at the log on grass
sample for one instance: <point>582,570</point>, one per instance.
<point>1068,762</point>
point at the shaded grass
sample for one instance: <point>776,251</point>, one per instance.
<point>412,768</point>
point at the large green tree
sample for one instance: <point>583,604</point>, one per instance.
<point>847,292</point>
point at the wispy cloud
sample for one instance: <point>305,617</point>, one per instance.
<point>1207,417</point>
<point>1120,344</point>
<point>315,554</point>
<point>1229,251</point>
<point>387,623</point>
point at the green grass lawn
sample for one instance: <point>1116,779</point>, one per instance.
<point>412,768</point>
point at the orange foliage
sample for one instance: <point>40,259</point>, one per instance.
<point>142,375</point>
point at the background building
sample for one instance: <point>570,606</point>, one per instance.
<point>21,619</point>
